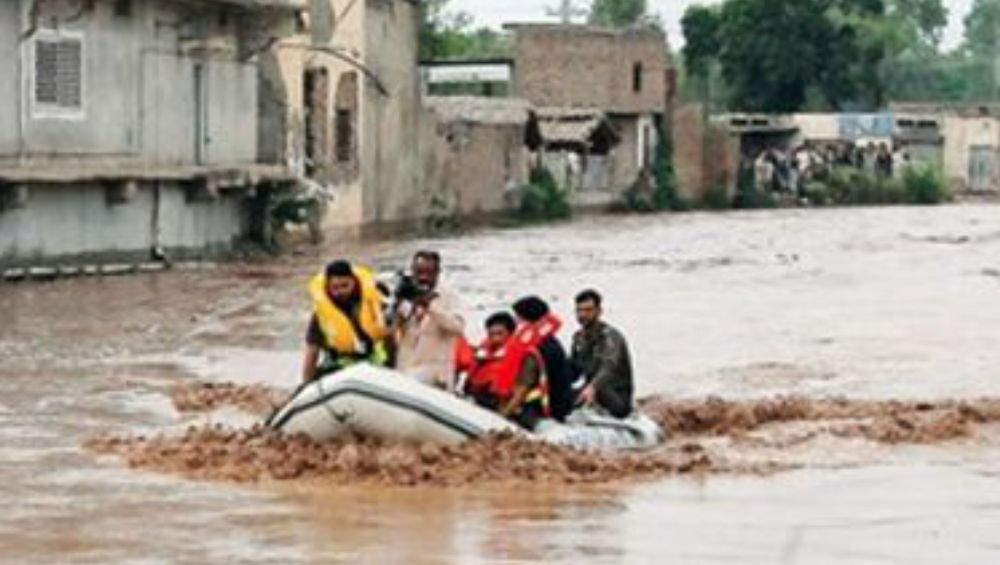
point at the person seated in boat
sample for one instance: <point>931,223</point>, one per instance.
<point>537,329</point>
<point>427,321</point>
<point>503,375</point>
<point>348,323</point>
<point>600,355</point>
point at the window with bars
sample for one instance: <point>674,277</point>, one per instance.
<point>58,77</point>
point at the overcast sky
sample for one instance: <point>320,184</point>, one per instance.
<point>495,12</point>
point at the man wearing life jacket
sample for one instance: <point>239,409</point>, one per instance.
<point>348,324</point>
<point>538,328</point>
<point>505,374</point>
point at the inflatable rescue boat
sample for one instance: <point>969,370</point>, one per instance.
<point>367,401</point>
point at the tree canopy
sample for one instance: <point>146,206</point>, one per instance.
<point>618,13</point>
<point>982,28</point>
<point>786,55</point>
<point>450,35</point>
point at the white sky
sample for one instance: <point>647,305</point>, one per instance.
<point>495,12</point>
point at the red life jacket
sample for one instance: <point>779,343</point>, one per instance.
<point>500,368</point>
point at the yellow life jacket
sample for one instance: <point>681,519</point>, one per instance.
<point>338,331</point>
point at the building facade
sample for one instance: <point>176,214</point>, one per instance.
<point>124,126</point>
<point>342,104</point>
<point>623,74</point>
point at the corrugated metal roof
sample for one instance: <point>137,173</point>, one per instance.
<point>569,125</point>
<point>480,110</point>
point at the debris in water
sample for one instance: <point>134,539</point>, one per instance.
<point>206,396</point>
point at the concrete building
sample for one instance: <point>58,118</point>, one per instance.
<point>342,102</point>
<point>620,73</point>
<point>124,126</point>
<point>971,142</point>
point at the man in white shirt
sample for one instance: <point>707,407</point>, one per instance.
<point>428,325</point>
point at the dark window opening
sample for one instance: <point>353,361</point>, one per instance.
<point>315,89</point>
<point>345,134</point>
<point>637,77</point>
<point>123,8</point>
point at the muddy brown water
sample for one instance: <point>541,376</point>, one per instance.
<point>879,304</point>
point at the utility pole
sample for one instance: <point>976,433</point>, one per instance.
<point>566,11</point>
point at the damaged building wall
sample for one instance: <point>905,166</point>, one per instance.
<point>369,116</point>
<point>130,86</point>
<point>390,151</point>
<point>474,152</point>
<point>123,113</point>
<point>57,222</point>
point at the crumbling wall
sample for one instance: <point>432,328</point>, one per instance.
<point>472,167</point>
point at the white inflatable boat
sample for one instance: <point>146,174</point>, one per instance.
<point>370,402</point>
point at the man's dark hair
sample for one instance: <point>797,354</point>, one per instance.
<point>531,308</point>
<point>432,256</point>
<point>339,268</point>
<point>589,295</point>
<point>501,319</point>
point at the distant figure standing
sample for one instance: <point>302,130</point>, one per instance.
<point>883,162</point>
<point>601,356</point>
<point>763,172</point>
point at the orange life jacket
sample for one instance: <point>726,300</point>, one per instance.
<point>495,370</point>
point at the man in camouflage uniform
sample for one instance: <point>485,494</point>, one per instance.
<point>600,355</point>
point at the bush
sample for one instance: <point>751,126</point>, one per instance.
<point>846,186</point>
<point>715,198</point>
<point>924,184</point>
<point>655,192</point>
<point>543,199</point>
<point>666,196</point>
<point>818,193</point>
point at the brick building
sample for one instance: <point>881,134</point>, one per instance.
<point>622,74</point>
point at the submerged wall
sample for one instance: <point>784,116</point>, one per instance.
<point>71,222</point>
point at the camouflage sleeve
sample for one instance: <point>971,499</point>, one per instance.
<point>607,352</point>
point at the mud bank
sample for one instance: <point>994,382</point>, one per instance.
<point>711,436</point>
<point>892,422</point>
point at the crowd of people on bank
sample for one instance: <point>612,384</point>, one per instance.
<point>519,369</point>
<point>788,171</point>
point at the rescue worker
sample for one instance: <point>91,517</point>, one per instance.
<point>601,356</point>
<point>348,324</point>
<point>538,329</point>
<point>505,375</point>
<point>428,323</point>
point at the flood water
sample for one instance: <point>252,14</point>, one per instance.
<point>867,303</point>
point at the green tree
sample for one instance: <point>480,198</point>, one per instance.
<point>982,28</point>
<point>449,35</point>
<point>618,13</point>
<point>784,55</point>
<point>928,17</point>
<point>700,26</point>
